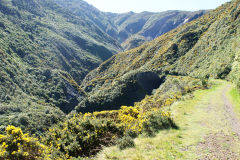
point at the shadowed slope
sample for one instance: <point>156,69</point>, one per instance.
<point>201,48</point>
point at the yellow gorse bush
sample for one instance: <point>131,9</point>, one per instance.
<point>16,145</point>
<point>85,134</point>
<point>131,118</point>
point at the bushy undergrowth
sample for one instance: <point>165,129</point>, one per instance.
<point>125,142</point>
<point>18,146</point>
<point>234,75</point>
<point>84,135</point>
<point>157,121</point>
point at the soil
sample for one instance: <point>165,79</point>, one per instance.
<point>219,145</point>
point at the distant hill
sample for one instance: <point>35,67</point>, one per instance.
<point>149,24</point>
<point>123,27</point>
<point>206,47</point>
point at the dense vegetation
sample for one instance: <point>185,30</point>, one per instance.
<point>46,51</point>
<point>16,145</point>
<point>204,48</point>
<point>43,47</point>
<point>85,134</point>
<point>123,27</point>
<point>134,41</point>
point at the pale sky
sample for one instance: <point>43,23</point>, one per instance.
<point>120,6</point>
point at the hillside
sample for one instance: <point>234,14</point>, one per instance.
<point>46,51</point>
<point>42,48</point>
<point>66,104</point>
<point>206,47</point>
<point>209,129</point>
<point>134,41</point>
<point>149,24</point>
<point>83,9</point>
<point>123,27</point>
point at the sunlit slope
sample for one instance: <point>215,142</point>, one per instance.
<point>202,48</point>
<point>123,27</point>
<point>41,44</point>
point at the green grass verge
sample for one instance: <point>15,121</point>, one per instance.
<point>173,144</point>
<point>235,98</point>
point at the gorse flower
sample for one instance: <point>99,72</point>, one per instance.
<point>85,134</point>
<point>16,145</point>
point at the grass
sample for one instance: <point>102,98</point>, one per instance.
<point>195,122</point>
<point>235,98</point>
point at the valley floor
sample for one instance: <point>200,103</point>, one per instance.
<point>209,128</point>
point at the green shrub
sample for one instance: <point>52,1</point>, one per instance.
<point>85,135</point>
<point>204,83</point>
<point>126,142</point>
<point>156,121</point>
<point>18,146</point>
<point>82,136</point>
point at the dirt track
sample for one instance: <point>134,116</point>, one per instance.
<point>222,144</point>
<point>230,114</point>
<point>209,129</point>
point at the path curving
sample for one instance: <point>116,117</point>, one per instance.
<point>222,142</point>
<point>209,129</point>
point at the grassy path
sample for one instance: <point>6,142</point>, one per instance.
<point>209,129</point>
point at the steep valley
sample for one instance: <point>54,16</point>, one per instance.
<point>204,48</point>
<point>81,80</point>
<point>127,28</point>
<point>47,50</point>
<point>41,46</point>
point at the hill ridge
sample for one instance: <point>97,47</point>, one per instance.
<point>194,49</point>
<point>127,26</point>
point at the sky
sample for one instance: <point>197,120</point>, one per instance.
<point>121,6</point>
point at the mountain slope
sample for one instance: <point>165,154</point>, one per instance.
<point>62,40</point>
<point>134,41</point>
<point>43,47</point>
<point>46,51</point>
<point>201,48</point>
<point>83,9</point>
<point>123,26</point>
<point>149,24</point>
<point>41,72</point>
